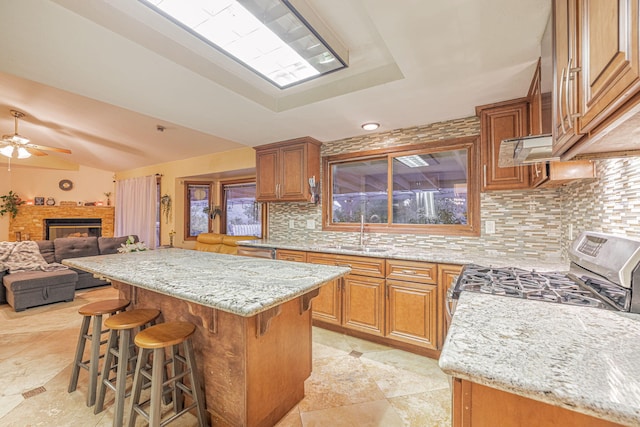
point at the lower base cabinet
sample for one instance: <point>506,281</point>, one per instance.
<point>364,304</point>
<point>476,405</point>
<point>393,302</point>
<point>411,313</point>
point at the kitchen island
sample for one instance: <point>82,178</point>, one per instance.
<point>253,337</point>
<point>519,358</point>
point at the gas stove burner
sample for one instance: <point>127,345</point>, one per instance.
<point>538,286</point>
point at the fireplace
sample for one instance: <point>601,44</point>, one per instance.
<point>72,227</point>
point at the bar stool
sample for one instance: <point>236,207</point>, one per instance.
<point>154,340</point>
<point>120,344</point>
<point>93,311</point>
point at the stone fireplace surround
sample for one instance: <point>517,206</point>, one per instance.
<point>30,219</point>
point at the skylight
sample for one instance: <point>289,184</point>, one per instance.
<point>268,36</point>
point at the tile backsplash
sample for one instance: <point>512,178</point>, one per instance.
<point>534,223</point>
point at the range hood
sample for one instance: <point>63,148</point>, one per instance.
<point>526,150</point>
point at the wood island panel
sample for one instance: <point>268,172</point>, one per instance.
<point>250,378</point>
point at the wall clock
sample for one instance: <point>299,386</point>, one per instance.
<point>65,185</point>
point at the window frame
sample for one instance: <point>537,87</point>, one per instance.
<point>187,208</point>
<point>472,228</point>
<point>223,204</point>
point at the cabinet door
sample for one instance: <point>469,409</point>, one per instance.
<point>610,58</point>
<point>412,313</point>
<point>289,255</point>
<point>327,306</point>
<point>507,120</point>
<point>293,181</point>
<point>566,87</point>
<point>364,304</point>
<point>267,175</point>
<point>447,274</point>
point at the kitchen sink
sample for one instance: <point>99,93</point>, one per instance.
<point>358,248</point>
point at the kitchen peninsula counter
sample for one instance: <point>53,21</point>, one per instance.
<point>578,358</point>
<point>253,318</point>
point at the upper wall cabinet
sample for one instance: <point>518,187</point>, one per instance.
<point>283,170</point>
<point>596,73</point>
<point>500,121</point>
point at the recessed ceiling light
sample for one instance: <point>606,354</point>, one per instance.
<point>370,126</point>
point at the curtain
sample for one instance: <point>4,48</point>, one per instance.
<point>136,208</point>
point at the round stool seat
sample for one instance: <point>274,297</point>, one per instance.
<point>132,319</point>
<point>165,334</point>
<point>103,307</point>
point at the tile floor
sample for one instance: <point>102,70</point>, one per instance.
<point>354,382</point>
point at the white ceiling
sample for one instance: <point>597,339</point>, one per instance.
<point>98,76</point>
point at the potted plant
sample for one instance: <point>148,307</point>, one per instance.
<point>9,204</point>
<point>108,195</point>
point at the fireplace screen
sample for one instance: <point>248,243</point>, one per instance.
<point>72,227</point>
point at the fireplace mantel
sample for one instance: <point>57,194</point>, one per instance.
<point>30,219</point>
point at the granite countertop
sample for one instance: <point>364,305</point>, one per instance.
<point>479,257</point>
<point>580,358</point>
<point>240,285</point>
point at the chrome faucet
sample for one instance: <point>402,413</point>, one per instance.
<point>361,230</point>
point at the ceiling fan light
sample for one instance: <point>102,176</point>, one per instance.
<point>17,139</point>
<point>6,151</point>
<point>23,153</point>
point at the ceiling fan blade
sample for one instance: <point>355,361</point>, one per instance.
<point>35,151</point>
<point>45,148</point>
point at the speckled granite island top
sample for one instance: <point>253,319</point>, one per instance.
<point>579,358</point>
<point>239,285</point>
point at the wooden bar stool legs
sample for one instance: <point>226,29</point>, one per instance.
<point>152,342</point>
<point>92,312</point>
<point>120,346</point>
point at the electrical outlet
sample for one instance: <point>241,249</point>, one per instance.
<point>570,232</point>
<point>311,224</point>
<point>490,227</point>
<point>292,223</point>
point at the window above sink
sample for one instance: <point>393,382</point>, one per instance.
<point>429,188</point>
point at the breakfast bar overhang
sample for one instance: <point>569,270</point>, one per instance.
<point>253,318</point>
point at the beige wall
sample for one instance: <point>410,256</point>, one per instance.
<point>89,185</point>
<point>173,177</point>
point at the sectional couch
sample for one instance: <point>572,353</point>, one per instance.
<point>25,289</point>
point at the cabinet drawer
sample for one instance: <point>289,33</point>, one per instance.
<point>288,255</point>
<point>360,266</point>
<point>411,271</point>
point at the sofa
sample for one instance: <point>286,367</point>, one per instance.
<point>54,282</point>
<point>220,243</point>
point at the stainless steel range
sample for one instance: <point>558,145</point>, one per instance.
<point>604,273</point>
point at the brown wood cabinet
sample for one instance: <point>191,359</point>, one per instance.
<point>390,301</point>
<point>500,121</point>
<point>412,302</point>
<point>447,274</point>
<point>289,255</point>
<point>476,405</point>
<point>596,73</point>
<point>283,170</point>
<point>356,301</point>
<point>364,304</point>
<point>555,174</point>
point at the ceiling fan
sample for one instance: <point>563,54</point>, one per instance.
<point>17,146</point>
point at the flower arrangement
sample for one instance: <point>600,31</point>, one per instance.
<point>131,246</point>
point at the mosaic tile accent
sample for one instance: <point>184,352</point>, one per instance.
<point>527,222</point>
<point>611,204</point>
<point>531,223</point>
